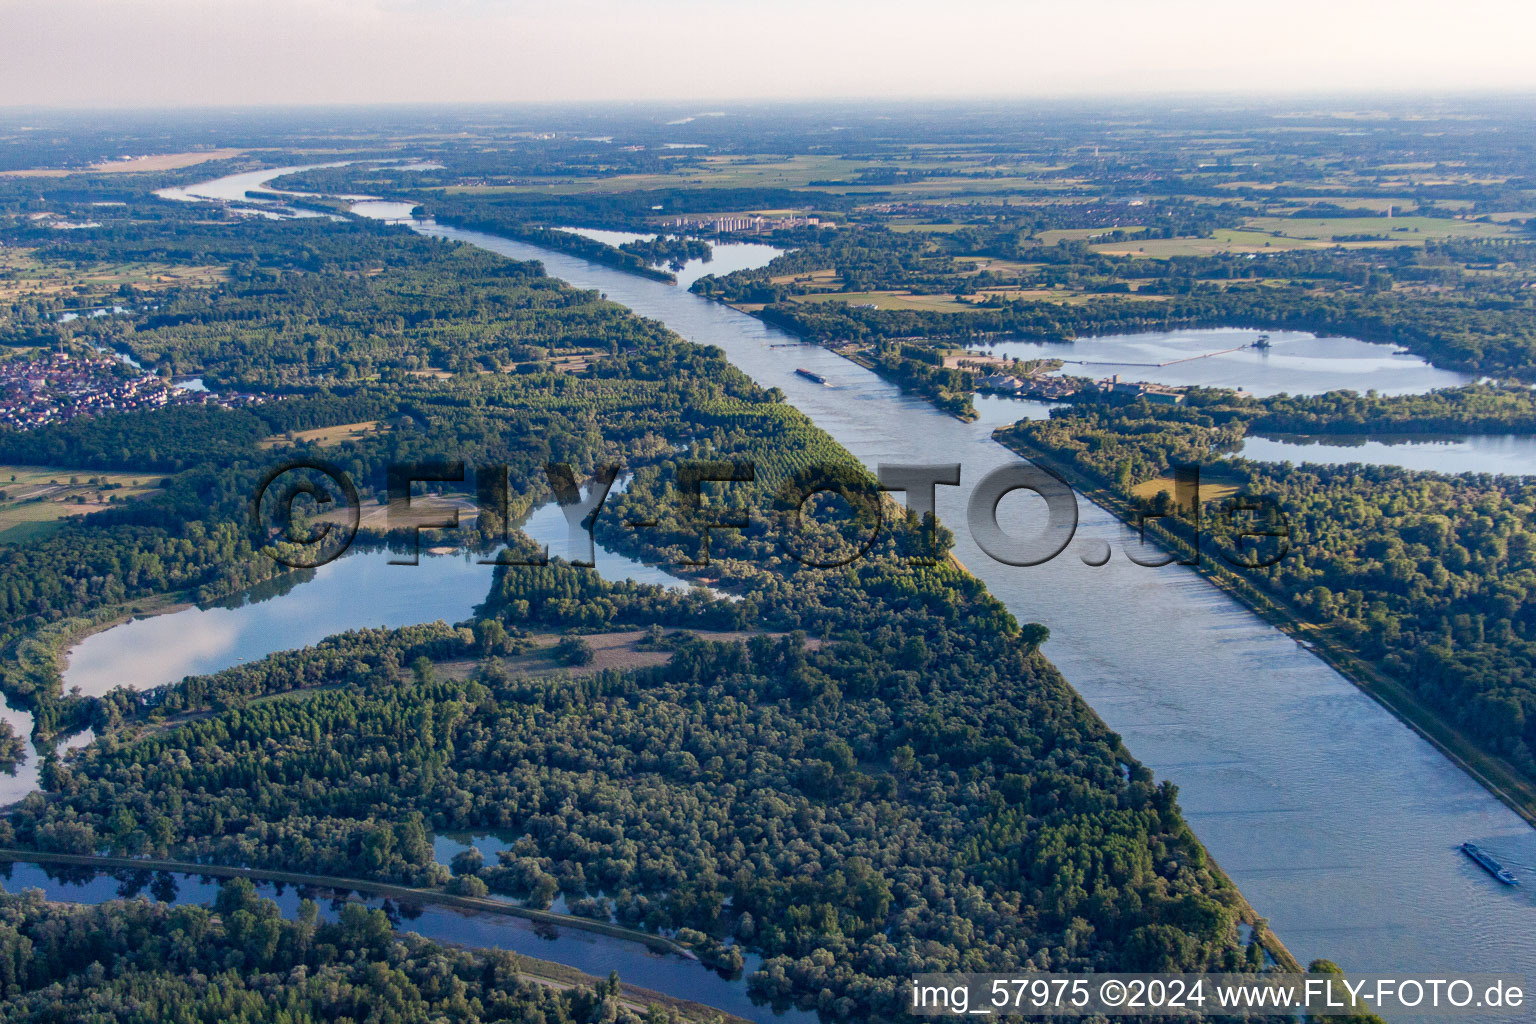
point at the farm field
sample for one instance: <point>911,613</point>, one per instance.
<point>341,433</point>
<point>1419,228</point>
<point>23,275</point>
<point>34,497</point>
<point>146,162</point>
<point>891,300</point>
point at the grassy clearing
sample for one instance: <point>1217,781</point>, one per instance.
<point>575,361</point>
<point>164,161</point>
<point>1400,230</point>
<point>1223,240</point>
<point>27,531</point>
<point>1065,297</point>
<point>897,299</point>
<point>998,266</point>
<point>892,300</point>
<point>1260,236</point>
<point>826,278</point>
<point>341,433</point>
<point>619,651</point>
<point>1032,294</point>
<point>23,275</point>
<point>800,172</point>
<point>1378,204</point>
<point>715,172</point>
<point>1212,487</point>
<point>943,229</point>
<point>34,498</point>
<point>1084,234</point>
<point>155,162</point>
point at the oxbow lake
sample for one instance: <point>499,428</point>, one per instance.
<point>360,590</point>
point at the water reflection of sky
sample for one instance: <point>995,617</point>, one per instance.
<point>999,410</point>
<point>387,210</point>
<point>586,951</point>
<point>548,526</point>
<point>1511,454</point>
<point>447,845</point>
<point>358,591</point>
<point>1351,857</point>
<point>1296,362</point>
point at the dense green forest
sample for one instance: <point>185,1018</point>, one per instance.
<point>1425,577</point>
<point>447,348</point>
<point>637,209</point>
<point>306,304</point>
<point>879,773</point>
<point>851,821</point>
<point>669,250</point>
<point>12,748</point>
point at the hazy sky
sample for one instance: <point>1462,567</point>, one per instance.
<point>201,52</point>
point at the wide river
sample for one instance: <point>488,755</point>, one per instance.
<point>1339,823</point>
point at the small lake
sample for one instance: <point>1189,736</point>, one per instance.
<point>586,951</point>
<point>1296,363</point>
<point>387,210</point>
<point>548,526</point>
<point>1000,411</point>
<point>1508,454</point>
<point>448,845</point>
<point>26,779</point>
<point>360,590</point>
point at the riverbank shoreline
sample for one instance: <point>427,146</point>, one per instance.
<point>547,972</point>
<point>1498,778</point>
<point>1246,913</point>
<point>658,943</point>
<point>41,657</point>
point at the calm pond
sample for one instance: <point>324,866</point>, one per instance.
<point>1296,363</point>
<point>1511,454</point>
<point>587,951</point>
<point>360,590</point>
